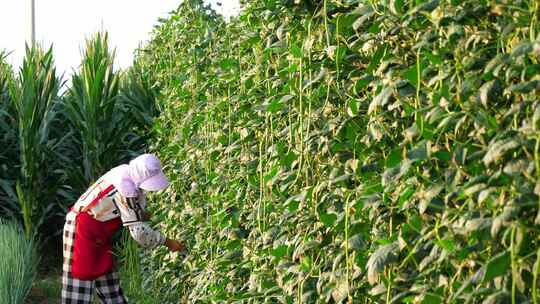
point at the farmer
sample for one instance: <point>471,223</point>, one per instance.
<point>116,199</point>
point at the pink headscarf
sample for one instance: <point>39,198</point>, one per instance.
<point>143,172</point>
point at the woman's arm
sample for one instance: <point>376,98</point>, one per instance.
<point>135,217</point>
<point>147,237</point>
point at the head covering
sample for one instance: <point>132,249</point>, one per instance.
<point>143,172</point>
<point>146,173</point>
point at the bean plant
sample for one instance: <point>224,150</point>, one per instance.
<point>349,151</point>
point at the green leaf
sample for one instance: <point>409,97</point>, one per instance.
<point>275,106</point>
<point>383,256</point>
<point>296,51</point>
<point>446,244</point>
<point>490,92</point>
<point>433,58</point>
<point>499,148</point>
<point>405,196</point>
<point>228,63</point>
<point>356,242</point>
<point>271,174</point>
<point>288,159</point>
<point>381,99</point>
<point>525,87</point>
<point>363,82</point>
<point>396,6</point>
<point>341,291</point>
<point>394,158</point>
<point>352,108</point>
<point>521,49</point>
<point>443,155</point>
<point>376,58</point>
<point>280,251</point>
<point>432,298</point>
<point>497,266</point>
<point>411,74</point>
<point>328,219</point>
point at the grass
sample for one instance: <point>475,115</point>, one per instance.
<point>18,265</point>
<point>46,290</point>
<point>131,271</point>
<point>48,283</point>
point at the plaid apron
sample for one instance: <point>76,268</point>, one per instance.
<point>76,291</point>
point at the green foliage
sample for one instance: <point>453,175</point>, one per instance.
<point>8,140</point>
<point>132,272</point>
<point>139,96</point>
<point>34,95</point>
<point>268,156</point>
<point>364,151</point>
<point>92,109</point>
<point>108,112</point>
<point>54,145</point>
<point>18,264</point>
<point>44,135</point>
<point>138,102</point>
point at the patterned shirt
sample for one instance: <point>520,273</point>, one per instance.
<point>105,203</point>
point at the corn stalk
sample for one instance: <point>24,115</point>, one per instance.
<point>93,111</point>
<point>34,95</point>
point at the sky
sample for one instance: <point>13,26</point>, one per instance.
<point>67,23</point>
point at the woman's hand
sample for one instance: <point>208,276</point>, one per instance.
<point>146,216</point>
<point>174,246</point>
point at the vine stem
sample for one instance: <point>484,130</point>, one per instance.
<point>347,258</point>
<point>389,288</point>
<point>513,261</point>
<point>309,93</point>
<point>326,24</point>
<point>537,264</point>
<point>418,84</point>
<point>260,212</point>
<point>532,27</point>
<point>535,278</point>
<point>301,114</point>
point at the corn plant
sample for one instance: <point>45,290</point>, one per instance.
<point>137,100</point>
<point>18,266</point>
<point>92,109</point>
<point>34,94</point>
<point>8,136</point>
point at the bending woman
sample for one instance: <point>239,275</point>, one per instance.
<point>117,199</point>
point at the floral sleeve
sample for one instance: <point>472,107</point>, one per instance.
<point>132,215</point>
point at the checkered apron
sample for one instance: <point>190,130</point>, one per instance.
<point>75,291</point>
